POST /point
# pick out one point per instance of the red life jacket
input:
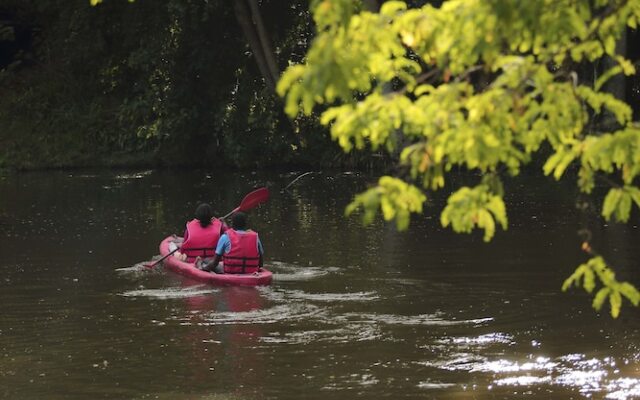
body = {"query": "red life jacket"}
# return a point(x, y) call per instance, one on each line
point(201, 241)
point(243, 257)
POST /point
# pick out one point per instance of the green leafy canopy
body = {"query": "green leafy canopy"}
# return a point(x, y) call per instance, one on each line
point(479, 85)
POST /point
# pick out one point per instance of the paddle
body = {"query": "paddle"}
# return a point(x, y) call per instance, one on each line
point(250, 201)
point(161, 260)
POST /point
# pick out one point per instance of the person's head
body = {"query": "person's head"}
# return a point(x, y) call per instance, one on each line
point(204, 214)
point(239, 220)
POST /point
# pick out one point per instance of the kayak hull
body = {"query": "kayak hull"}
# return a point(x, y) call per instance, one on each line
point(262, 278)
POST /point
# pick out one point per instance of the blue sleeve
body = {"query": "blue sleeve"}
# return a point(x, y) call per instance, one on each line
point(260, 248)
point(223, 245)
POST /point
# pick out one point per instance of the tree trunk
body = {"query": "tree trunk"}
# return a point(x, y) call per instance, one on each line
point(267, 50)
point(249, 30)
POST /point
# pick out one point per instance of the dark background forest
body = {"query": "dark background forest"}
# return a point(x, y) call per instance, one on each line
point(171, 83)
point(152, 83)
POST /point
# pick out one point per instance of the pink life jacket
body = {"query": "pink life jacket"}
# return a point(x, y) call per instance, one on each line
point(201, 241)
point(243, 256)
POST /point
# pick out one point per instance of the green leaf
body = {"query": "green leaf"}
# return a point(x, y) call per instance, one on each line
point(552, 162)
point(610, 45)
point(616, 303)
point(626, 65)
point(589, 282)
point(499, 210)
point(634, 192)
point(602, 79)
point(574, 279)
point(395, 198)
point(474, 207)
point(623, 210)
point(600, 297)
point(390, 8)
point(611, 203)
point(630, 292)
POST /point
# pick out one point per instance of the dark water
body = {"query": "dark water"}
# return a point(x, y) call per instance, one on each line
point(352, 312)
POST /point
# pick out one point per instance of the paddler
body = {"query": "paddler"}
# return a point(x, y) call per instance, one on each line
point(201, 235)
point(239, 249)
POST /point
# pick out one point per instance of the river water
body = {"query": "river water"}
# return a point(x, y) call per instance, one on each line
point(352, 312)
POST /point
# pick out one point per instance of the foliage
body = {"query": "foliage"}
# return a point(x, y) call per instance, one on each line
point(612, 288)
point(481, 85)
point(396, 198)
point(160, 83)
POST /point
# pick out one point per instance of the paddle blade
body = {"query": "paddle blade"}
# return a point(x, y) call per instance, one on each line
point(254, 198)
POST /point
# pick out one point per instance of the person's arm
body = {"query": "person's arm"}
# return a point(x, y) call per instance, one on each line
point(261, 252)
point(223, 243)
point(211, 266)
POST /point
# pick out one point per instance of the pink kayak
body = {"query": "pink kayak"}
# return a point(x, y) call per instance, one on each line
point(189, 270)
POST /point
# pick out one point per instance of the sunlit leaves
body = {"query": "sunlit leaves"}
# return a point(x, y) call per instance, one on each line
point(375, 119)
point(476, 85)
point(331, 13)
point(390, 8)
point(469, 208)
point(559, 161)
point(395, 198)
point(618, 151)
point(617, 203)
point(351, 53)
point(598, 100)
point(612, 289)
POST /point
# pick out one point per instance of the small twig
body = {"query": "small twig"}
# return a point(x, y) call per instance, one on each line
point(608, 180)
point(295, 180)
point(420, 79)
point(468, 72)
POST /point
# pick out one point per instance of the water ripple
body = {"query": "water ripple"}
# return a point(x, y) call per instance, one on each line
point(171, 293)
point(422, 319)
point(137, 175)
point(590, 376)
point(623, 388)
point(290, 312)
point(344, 334)
point(479, 341)
point(435, 385)
point(357, 296)
point(138, 269)
point(288, 272)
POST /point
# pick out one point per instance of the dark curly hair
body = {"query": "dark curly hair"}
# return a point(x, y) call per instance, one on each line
point(239, 220)
point(204, 214)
